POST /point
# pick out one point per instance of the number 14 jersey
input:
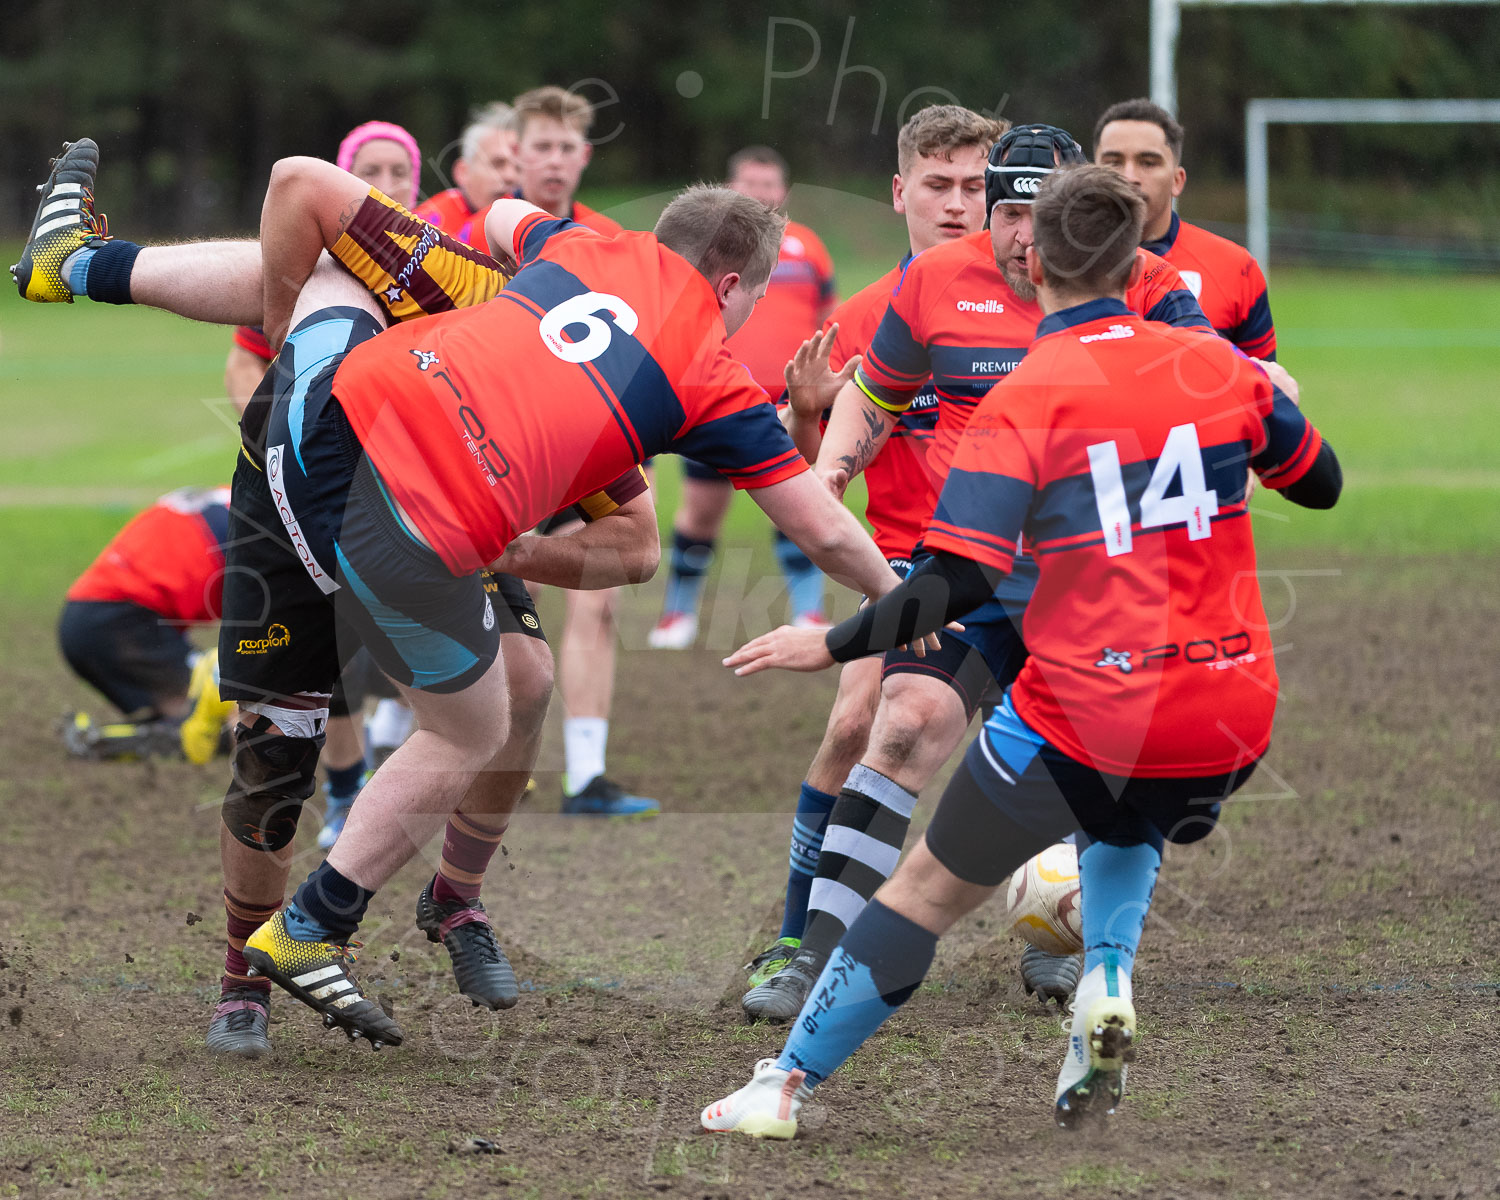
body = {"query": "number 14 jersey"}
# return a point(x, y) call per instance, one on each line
point(599, 353)
point(1120, 448)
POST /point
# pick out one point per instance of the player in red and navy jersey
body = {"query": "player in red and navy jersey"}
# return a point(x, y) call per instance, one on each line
point(962, 315)
point(380, 472)
point(122, 630)
point(1118, 451)
point(484, 170)
point(797, 302)
point(938, 188)
point(1143, 142)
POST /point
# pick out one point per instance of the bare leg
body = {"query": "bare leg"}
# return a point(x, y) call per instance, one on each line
point(849, 723)
point(586, 661)
point(704, 503)
point(216, 282)
point(309, 203)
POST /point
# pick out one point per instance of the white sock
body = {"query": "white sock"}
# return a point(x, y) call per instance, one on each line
point(584, 739)
point(390, 724)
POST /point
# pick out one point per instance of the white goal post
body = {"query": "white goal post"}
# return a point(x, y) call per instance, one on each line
point(1166, 25)
point(1261, 113)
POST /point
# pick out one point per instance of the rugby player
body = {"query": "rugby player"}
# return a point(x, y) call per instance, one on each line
point(122, 631)
point(386, 157)
point(938, 187)
point(362, 519)
point(962, 316)
point(484, 170)
point(1117, 449)
point(798, 301)
point(1143, 142)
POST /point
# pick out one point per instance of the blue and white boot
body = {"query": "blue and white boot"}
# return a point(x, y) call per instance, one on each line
point(1100, 1043)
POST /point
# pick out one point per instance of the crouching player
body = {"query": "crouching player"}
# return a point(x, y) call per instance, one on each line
point(1118, 450)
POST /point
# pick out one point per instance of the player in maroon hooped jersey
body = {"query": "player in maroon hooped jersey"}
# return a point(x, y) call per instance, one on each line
point(1118, 451)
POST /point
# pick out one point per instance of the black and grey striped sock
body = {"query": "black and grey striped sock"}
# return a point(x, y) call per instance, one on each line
point(861, 847)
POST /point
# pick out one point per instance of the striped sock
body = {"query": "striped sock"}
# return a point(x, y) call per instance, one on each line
point(241, 920)
point(861, 847)
point(813, 809)
point(469, 843)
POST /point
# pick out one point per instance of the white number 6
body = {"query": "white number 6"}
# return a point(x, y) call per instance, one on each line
point(583, 310)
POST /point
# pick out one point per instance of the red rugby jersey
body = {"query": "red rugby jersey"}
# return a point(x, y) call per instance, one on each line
point(600, 353)
point(1227, 281)
point(451, 213)
point(1119, 449)
point(795, 304)
point(897, 482)
point(168, 559)
point(954, 320)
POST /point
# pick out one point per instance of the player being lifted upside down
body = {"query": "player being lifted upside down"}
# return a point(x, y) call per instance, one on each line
point(374, 485)
point(1118, 451)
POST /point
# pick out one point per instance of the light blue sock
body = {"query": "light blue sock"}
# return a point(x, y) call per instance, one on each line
point(1116, 883)
point(76, 269)
point(804, 582)
point(872, 973)
point(303, 928)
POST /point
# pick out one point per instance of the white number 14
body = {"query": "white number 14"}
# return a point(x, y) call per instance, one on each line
point(1195, 507)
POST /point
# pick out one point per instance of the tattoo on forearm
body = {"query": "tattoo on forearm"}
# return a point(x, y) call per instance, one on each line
point(867, 447)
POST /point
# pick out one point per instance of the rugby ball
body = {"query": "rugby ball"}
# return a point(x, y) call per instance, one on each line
point(1041, 902)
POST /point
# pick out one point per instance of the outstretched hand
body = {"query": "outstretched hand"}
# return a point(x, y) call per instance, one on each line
point(787, 648)
point(811, 386)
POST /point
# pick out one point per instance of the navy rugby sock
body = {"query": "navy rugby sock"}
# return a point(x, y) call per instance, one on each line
point(328, 907)
point(691, 558)
point(813, 809)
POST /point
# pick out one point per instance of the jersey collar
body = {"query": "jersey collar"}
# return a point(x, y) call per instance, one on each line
point(1082, 314)
point(1167, 240)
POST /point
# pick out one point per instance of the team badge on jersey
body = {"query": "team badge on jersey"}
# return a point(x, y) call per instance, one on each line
point(425, 359)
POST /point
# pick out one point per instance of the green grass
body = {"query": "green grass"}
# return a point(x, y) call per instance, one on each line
point(106, 408)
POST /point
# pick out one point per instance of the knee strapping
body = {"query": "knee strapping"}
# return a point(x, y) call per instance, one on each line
point(273, 775)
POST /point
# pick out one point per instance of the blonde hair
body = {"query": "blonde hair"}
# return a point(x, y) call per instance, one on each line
point(558, 103)
point(720, 231)
point(940, 129)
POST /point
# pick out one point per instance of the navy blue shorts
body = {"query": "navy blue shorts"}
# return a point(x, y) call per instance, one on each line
point(319, 563)
point(987, 655)
point(1015, 794)
point(702, 472)
point(136, 659)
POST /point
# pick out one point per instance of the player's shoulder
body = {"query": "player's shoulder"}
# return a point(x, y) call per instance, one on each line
point(942, 266)
point(596, 220)
point(873, 296)
point(1200, 242)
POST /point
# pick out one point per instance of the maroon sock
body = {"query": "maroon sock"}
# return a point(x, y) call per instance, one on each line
point(241, 920)
point(468, 845)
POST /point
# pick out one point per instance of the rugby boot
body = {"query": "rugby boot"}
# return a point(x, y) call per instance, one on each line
point(119, 741)
point(483, 972)
point(202, 731)
point(770, 960)
point(1100, 1042)
point(782, 996)
point(1050, 976)
point(317, 973)
point(675, 631)
point(65, 221)
point(239, 1023)
point(766, 1107)
point(605, 798)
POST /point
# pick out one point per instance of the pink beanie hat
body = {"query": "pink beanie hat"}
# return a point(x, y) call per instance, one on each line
point(369, 132)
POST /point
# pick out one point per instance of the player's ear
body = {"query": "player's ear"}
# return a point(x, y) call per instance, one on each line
point(1179, 180)
point(727, 283)
point(588, 151)
point(898, 201)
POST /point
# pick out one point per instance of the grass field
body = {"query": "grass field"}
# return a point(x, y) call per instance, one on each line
point(1319, 986)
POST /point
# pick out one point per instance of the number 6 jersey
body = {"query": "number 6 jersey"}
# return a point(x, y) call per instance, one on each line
point(1120, 448)
point(599, 353)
